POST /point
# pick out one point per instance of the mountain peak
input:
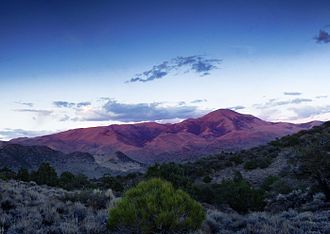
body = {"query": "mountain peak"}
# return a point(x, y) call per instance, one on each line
point(222, 113)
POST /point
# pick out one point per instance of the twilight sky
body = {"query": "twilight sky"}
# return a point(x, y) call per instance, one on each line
point(66, 64)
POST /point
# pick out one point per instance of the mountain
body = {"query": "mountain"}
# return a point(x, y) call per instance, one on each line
point(16, 156)
point(154, 142)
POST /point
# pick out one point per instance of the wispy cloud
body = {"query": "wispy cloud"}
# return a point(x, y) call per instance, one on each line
point(116, 111)
point(82, 104)
point(37, 111)
point(275, 102)
point(321, 96)
point(28, 104)
point(65, 104)
point(196, 63)
point(199, 101)
point(236, 108)
point(8, 133)
point(310, 111)
point(322, 37)
point(292, 93)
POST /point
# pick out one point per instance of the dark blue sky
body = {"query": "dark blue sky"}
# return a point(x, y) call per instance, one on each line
point(41, 37)
point(113, 61)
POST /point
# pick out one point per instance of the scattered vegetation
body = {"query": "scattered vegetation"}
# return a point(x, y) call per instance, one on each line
point(28, 208)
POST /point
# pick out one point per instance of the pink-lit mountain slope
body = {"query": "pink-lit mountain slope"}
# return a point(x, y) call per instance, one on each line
point(150, 142)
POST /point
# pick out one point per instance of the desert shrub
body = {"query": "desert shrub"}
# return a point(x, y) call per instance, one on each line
point(23, 175)
point(260, 222)
point(204, 193)
point(280, 186)
point(262, 163)
point(96, 199)
point(237, 159)
point(109, 181)
point(45, 175)
point(292, 200)
point(29, 208)
point(207, 179)
point(287, 141)
point(239, 195)
point(314, 163)
point(7, 174)
point(268, 182)
point(154, 206)
point(7, 204)
point(171, 172)
point(67, 180)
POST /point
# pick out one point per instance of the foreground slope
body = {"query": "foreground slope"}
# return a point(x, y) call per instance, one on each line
point(150, 142)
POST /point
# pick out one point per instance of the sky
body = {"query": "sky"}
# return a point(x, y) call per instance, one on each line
point(68, 64)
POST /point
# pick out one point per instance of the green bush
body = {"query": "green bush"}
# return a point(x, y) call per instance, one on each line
point(251, 165)
point(207, 179)
point(7, 174)
point(236, 159)
point(268, 182)
point(154, 206)
point(109, 181)
point(257, 163)
point(45, 174)
point(23, 174)
point(281, 186)
point(66, 180)
point(174, 173)
point(239, 195)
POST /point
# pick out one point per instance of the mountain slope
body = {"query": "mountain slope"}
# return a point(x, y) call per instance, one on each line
point(16, 156)
point(149, 142)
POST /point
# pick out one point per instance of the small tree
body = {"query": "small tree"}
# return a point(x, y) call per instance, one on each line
point(23, 174)
point(315, 164)
point(154, 206)
point(45, 175)
point(67, 180)
point(7, 174)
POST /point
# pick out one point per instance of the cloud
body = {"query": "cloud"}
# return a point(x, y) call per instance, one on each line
point(300, 100)
point(310, 111)
point(116, 111)
point(82, 104)
point(196, 63)
point(321, 96)
point(236, 107)
point(198, 101)
point(274, 102)
point(64, 104)
point(28, 104)
point(323, 37)
point(37, 111)
point(292, 93)
point(8, 133)
point(64, 118)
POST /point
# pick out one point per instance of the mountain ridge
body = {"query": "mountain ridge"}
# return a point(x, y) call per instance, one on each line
point(150, 142)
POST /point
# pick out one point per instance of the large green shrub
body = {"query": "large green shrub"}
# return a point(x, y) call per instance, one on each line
point(155, 206)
